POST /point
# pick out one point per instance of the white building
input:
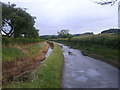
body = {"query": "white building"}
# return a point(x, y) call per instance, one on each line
point(119, 14)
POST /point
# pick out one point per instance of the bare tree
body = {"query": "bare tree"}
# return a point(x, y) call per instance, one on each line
point(104, 2)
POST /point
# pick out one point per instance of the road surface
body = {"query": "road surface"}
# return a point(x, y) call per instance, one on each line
point(85, 72)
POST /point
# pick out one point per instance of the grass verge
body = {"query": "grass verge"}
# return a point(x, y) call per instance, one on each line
point(16, 52)
point(48, 75)
point(11, 54)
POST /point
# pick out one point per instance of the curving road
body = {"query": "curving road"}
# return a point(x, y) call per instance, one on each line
point(86, 72)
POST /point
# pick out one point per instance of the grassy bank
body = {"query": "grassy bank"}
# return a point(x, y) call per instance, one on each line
point(48, 75)
point(11, 54)
point(16, 52)
point(16, 48)
point(19, 58)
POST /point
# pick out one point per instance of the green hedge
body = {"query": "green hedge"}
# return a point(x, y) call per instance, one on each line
point(109, 40)
point(12, 40)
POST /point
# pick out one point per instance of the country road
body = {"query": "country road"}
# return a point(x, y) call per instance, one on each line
point(85, 72)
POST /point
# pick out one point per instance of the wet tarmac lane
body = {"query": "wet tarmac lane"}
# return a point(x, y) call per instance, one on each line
point(85, 72)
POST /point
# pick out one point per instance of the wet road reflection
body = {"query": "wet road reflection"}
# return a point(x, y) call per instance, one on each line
point(85, 72)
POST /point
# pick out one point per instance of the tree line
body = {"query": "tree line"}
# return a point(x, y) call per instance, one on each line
point(66, 34)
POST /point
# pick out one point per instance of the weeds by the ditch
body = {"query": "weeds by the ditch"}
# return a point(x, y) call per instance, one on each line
point(47, 75)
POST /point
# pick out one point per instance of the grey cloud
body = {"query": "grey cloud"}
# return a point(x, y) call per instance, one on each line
point(76, 15)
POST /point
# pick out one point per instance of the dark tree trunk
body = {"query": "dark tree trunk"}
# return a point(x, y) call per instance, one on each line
point(10, 33)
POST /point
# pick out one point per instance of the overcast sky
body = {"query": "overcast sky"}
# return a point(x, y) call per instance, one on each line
point(78, 16)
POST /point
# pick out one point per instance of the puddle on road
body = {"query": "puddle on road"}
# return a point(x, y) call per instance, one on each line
point(92, 73)
point(81, 78)
point(70, 53)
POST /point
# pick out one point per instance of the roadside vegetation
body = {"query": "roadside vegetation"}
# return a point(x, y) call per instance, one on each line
point(47, 75)
point(10, 41)
point(23, 51)
point(17, 48)
point(11, 54)
point(19, 58)
point(104, 45)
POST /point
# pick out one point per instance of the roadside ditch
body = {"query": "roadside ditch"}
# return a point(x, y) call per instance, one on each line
point(23, 69)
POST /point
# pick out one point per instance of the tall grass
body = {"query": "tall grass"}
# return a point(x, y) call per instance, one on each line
point(33, 50)
point(109, 40)
point(14, 53)
point(11, 54)
point(12, 41)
